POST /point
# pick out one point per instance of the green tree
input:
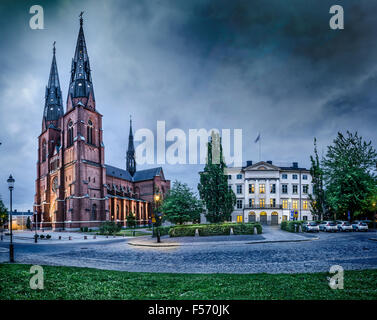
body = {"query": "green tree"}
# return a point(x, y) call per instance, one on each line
point(317, 198)
point(3, 214)
point(181, 205)
point(349, 172)
point(213, 187)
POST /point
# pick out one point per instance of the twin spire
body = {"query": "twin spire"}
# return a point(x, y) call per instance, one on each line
point(80, 85)
point(130, 159)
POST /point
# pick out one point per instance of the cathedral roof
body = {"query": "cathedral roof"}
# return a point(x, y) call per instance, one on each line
point(80, 85)
point(53, 98)
point(142, 175)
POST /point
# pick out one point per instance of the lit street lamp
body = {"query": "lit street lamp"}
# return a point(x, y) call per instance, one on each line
point(157, 217)
point(375, 215)
point(11, 249)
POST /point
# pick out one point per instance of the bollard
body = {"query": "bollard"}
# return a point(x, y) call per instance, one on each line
point(196, 232)
point(60, 237)
point(231, 231)
point(69, 238)
point(94, 237)
point(255, 230)
point(85, 237)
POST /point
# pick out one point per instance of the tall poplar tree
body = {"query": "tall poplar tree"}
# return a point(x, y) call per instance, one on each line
point(213, 187)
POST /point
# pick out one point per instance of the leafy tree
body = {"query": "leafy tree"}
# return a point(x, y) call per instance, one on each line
point(317, 199)
point(349, 168)
point(181, 205)
point(131, 220)
point(213, 186)
point(3, 214)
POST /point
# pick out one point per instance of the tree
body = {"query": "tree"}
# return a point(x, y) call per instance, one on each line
point(131, 221)
point(181, 205)
point(317, 198)
point(213, 188)
point(28, 223)
point(349, 172)
point(3, 214)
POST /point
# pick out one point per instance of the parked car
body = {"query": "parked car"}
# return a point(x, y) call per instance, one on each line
point(359, 226)
point(344, 226)
point(311, 226)
point(328, 226)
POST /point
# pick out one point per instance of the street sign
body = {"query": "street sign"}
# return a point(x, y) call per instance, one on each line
point(153, 220)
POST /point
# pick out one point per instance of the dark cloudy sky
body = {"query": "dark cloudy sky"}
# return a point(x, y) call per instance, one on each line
point(268, 66)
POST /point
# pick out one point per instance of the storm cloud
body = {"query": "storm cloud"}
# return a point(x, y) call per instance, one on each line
point(273, 67)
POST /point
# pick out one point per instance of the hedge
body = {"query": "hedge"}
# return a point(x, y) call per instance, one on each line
point(215, 229)
point(163, 231)
point(290, 225)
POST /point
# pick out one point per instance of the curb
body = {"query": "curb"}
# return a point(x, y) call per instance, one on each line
point(280, 241)
point(154, 245)
point(373, 239)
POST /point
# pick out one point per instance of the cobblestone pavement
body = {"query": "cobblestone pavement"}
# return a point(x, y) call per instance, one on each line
point(350, 250)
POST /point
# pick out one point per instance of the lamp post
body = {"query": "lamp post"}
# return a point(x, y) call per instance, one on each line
point(11, 249)
point(375, 215)
point(157, 219)
point(36, 223)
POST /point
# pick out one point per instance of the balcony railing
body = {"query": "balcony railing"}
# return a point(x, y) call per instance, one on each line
point(266, 206)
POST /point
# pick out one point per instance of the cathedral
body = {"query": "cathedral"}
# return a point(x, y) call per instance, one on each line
point(74, 186)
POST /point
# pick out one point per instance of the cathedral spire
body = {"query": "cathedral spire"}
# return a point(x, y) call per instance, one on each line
point(131, 163)
point(80, 85)
point(53, 109)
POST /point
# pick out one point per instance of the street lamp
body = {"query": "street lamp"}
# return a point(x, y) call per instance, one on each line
point(157, 219)
point(375, 215)
point(36, 224)
point(11, 249)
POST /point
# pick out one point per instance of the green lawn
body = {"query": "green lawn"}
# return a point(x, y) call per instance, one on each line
point(84, 283)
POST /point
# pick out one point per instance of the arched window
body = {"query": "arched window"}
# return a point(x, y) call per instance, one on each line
point(44, 150)
point(94, 211)
point(89, 132)
point(118, 212)
point(70, 134)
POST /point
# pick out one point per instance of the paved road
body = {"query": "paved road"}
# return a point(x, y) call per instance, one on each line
point(350, 250)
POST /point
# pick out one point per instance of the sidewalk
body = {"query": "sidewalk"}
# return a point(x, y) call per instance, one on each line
point(65, 237)
point(269, 235)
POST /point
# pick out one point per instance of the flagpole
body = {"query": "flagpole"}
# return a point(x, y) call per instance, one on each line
point(260, 152)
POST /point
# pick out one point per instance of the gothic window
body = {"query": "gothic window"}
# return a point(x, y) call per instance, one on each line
point(44, 150)
point(55, 185)
point(94, 211)
point(70, 134)
point(89, 132)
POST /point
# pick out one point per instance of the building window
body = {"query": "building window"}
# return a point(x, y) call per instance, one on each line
point(262, 203)
point(273, 202)
point(305, 188)
point(44, 150)
point(305, 177)
point(251, 188)
point(239, 204)
point(89, 132)
point(251, 203)
point(305, 218)
point(229, 177)
point(284, 176)
point(94, 211)
point(285, 204)
point(229, 187)
point(239, 188)
point(70, 134)
point(284, 188)
point(239, 218)
point(294, 189)
point(262, 188)
point(239, 176)
point(294, 204)
point(273, 188)
point(305, 205)
point(294, 176)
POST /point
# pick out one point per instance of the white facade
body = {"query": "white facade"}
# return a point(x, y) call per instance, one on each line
point(269, 194)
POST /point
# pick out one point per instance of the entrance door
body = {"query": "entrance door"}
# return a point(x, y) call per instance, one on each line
point(251, 217)
point(263, 218)
point(274, 219)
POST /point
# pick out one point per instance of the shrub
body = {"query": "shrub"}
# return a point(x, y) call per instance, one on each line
point(48, 237)
point(215, 229)
point(109, 227)
point(290, 225)
point(85, 229)
point(42, 236)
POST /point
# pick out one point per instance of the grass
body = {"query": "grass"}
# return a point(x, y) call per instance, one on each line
point(84, 283)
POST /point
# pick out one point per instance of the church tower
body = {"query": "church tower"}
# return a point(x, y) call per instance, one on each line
point(131, 163)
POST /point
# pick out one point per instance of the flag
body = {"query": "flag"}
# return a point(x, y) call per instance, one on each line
point(257, 139)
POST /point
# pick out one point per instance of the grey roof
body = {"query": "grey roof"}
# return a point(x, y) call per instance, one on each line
point(53, 98)
point(81, 79)
point(141, 175)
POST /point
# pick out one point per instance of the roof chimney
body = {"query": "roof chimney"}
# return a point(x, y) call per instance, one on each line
point(249, 163)
point(295, 165)
point(269, 161)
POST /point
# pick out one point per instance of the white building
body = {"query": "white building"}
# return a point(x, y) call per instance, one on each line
point(270, 194)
